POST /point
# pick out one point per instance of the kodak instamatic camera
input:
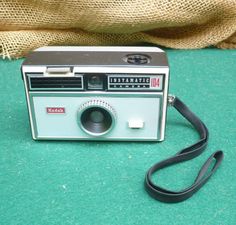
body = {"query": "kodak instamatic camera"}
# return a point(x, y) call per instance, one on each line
point(97, 93)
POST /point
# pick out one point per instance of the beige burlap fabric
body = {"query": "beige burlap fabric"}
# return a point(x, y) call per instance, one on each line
point(28, 24)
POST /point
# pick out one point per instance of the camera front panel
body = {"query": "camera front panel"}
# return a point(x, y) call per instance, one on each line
point(101, 117)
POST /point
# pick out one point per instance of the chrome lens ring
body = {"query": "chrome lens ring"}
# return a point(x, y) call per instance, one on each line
point(96, 117)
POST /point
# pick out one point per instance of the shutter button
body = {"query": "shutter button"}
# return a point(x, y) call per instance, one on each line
point(136, 124)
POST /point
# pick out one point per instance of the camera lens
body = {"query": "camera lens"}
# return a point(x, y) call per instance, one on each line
point(96, 116)
point(95, 82)
point(96, 120)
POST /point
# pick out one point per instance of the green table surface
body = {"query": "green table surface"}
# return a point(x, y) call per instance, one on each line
point(72, 182)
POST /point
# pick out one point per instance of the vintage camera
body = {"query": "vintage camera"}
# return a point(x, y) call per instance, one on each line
point(97, 93)
point(110, 93)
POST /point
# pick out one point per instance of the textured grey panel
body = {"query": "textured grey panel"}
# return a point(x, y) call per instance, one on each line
point(73, 58)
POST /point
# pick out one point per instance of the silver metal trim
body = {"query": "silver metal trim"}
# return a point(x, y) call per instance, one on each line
point(100, 104)
point(164, 106)
point(100, 48)
point(34, 119)
point(96, 94)
point(121, 69)
point(32, 127)
point(97, 139)
point(103, 69)
point(159, 130)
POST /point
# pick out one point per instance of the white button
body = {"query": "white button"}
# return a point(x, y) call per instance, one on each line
point(136, 124)
point(58, 70)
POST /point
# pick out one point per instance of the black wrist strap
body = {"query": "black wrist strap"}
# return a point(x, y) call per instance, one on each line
point(188, 153)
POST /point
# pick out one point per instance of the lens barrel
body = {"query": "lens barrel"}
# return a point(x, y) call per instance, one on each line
point(96, 117)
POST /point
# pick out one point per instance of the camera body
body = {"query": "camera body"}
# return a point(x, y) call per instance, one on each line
point(97, 93)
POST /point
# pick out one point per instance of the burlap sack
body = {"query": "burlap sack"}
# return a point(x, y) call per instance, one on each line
point(28, 24)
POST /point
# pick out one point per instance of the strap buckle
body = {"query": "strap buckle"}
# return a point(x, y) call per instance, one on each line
point(171, 100)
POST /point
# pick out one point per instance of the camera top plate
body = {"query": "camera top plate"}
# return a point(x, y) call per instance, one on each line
point(97, 56)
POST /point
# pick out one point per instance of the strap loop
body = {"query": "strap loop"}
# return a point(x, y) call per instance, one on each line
point(188, 153)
